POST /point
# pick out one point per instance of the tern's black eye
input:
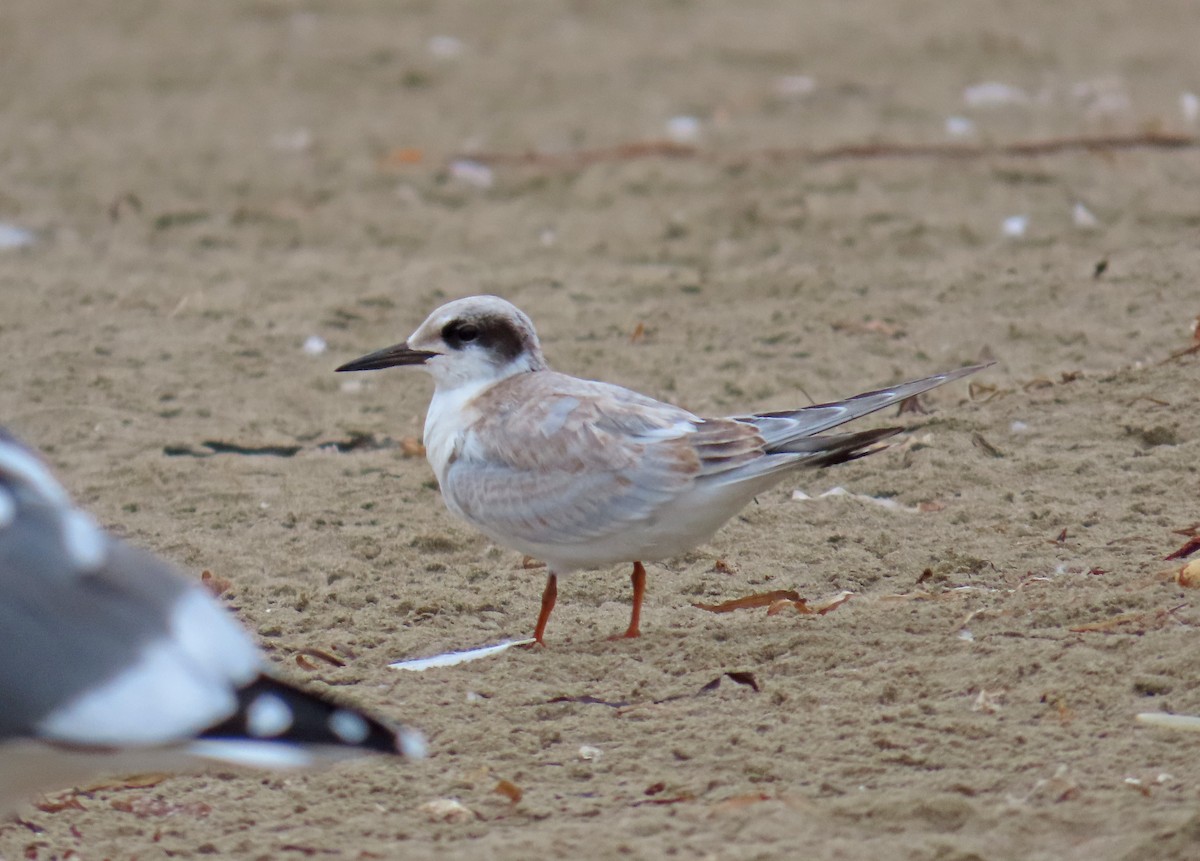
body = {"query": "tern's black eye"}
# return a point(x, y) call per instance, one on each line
point(456, 333)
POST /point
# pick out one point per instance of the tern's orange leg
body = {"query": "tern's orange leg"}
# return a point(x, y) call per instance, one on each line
point(549, 596)
point(638, 578)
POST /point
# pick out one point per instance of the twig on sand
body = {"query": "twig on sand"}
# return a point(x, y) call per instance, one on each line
point(575, 159)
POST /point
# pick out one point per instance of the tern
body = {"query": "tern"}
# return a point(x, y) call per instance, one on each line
point(583, 474)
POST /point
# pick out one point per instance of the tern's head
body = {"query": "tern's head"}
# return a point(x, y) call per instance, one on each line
point(467, 340)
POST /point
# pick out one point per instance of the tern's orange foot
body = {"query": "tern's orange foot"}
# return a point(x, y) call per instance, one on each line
point(628, 635)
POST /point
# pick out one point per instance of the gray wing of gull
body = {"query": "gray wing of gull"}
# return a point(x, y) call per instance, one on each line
point(780, 428)
point(66, 633)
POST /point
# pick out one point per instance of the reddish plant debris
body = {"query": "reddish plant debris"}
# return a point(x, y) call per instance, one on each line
point(979, 442)
point(1189, 547)
point(912, 405)
point(321, 655)
point(1158, 402)
point(674, 799)
point(818, 608)
point(132, 781)
point(217, 586)
point(1131, 623)
point(1187, 351)
point(57, 805)
point(983, 391)
point(509, 790)
point(1062, 711)
point(403, 156)
point(760, 599)
point(410, 446)
point(1179, 354)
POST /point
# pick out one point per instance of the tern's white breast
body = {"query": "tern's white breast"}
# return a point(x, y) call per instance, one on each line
point(449, 416)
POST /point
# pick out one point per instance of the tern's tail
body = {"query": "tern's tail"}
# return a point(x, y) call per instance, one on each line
point(782, 428)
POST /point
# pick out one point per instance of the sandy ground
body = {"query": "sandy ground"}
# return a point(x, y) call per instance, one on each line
point(211, 184)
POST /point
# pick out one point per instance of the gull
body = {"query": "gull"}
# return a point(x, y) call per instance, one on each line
point(583, 474)
point(111, 662)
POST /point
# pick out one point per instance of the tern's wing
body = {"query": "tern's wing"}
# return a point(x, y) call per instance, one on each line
point(552, 459)
point(781, 428)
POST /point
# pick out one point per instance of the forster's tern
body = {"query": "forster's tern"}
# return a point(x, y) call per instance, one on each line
point(584, 474)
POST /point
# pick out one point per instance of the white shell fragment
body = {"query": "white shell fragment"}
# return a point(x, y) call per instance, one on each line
point(1165, 720)
point(1189, 106)
point(445, 47)
point(795, 86)
point(1102, 97)
point(993, 94)
point(450, 659)
point(472, 173)
point(1083, 218)
point(1014, 226)
point(12, 236)
point(684, 129)
point(449, 810)
point(959, 127)
point(881, 501)
point(590, 753)
point(294, 141)
point(314, 345)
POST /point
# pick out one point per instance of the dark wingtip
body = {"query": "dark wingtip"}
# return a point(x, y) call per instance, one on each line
point(852, 446)
point(303, 718)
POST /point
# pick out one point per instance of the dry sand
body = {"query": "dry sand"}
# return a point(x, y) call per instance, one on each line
point(211, 184)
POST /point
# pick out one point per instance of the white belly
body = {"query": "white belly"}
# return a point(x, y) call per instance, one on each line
point(676, 528)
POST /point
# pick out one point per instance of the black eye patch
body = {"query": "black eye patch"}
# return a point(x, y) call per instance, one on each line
point(458, 333)
point(496, 335)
